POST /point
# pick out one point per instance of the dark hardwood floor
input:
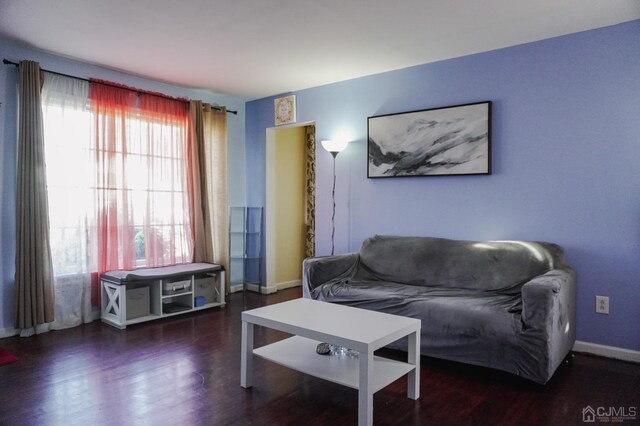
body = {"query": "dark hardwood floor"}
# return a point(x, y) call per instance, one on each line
point(185, 370)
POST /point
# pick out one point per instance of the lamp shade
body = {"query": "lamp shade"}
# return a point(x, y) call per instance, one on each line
point(334, 145)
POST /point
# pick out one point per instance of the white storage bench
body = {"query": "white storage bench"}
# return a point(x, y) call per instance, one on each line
point(130, 297)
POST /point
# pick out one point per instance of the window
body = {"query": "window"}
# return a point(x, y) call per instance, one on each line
point(117, 177)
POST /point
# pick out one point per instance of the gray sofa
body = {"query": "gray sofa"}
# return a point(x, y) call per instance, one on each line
point(508, 305)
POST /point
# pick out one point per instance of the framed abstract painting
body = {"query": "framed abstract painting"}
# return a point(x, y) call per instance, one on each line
point(447, 141)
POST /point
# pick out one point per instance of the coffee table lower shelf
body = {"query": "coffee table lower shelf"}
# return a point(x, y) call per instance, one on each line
point(299, 353)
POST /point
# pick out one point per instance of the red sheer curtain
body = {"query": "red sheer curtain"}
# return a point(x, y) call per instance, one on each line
point(168, 232)
point(141, 180)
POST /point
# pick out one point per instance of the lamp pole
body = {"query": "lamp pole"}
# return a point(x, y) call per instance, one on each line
point(334, 154)
point(334, 147)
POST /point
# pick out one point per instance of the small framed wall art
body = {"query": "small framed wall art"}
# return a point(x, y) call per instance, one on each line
point(453, 140)
point(285, 110)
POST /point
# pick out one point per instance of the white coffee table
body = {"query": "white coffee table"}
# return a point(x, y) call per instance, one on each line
point(313, 322)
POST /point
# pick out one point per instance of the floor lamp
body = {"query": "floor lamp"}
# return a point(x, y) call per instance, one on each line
point(334, 147)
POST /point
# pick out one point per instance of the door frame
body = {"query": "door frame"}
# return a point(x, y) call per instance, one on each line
point(270, 242)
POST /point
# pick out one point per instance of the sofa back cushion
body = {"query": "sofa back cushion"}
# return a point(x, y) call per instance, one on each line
point(438, 262)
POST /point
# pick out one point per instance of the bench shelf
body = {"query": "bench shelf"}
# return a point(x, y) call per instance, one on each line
point(132, 297)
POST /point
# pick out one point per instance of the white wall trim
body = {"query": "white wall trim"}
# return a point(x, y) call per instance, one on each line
point(261, 289)
point(607, 351)
point(235, 288)
point(289, 284)
point(238, 288)
point(300, 124)
point(8, 332)
point(270, 208)
point(270, 289)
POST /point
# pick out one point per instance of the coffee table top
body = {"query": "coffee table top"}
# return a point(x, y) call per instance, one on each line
point(358, 329)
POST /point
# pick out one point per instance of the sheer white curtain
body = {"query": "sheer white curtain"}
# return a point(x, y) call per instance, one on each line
point(70, 166)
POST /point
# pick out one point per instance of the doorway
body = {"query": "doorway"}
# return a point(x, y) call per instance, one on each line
point(290, 204)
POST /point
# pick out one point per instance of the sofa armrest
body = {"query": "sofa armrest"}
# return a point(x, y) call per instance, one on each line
point(549, 319)
point(319, 270)
point(546, 294)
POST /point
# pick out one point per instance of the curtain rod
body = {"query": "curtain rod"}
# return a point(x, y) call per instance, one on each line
point(8, 62)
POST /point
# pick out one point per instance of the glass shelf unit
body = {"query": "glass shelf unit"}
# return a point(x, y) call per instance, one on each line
point(245, 245)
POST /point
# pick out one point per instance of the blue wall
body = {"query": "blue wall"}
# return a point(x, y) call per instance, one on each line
point(8, 138)
point(566, 161)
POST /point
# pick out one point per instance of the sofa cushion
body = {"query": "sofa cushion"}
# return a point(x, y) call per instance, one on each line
point(460, 324)
point(438, 262)
point(391, 294)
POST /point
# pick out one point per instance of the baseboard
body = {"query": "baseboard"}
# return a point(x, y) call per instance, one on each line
point(239, 288)
point(267, 289)
point(236, 288)
point(289, 284)
point(8, 332)
point(607, 351)
point(281, 286)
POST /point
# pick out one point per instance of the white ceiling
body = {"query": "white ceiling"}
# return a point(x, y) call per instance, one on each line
point(257, 48)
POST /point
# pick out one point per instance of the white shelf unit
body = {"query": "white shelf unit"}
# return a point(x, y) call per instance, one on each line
point(206, 288)
point(298, 353)
point(245, 245)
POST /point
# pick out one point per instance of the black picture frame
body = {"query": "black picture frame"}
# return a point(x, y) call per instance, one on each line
point(446, 141)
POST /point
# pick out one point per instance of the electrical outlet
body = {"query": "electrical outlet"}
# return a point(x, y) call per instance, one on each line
point(602, 305)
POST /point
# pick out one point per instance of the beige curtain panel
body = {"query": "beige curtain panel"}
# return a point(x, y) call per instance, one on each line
point(215, 136)
point(34, 294)
point(208, 186)
point(203, 249)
